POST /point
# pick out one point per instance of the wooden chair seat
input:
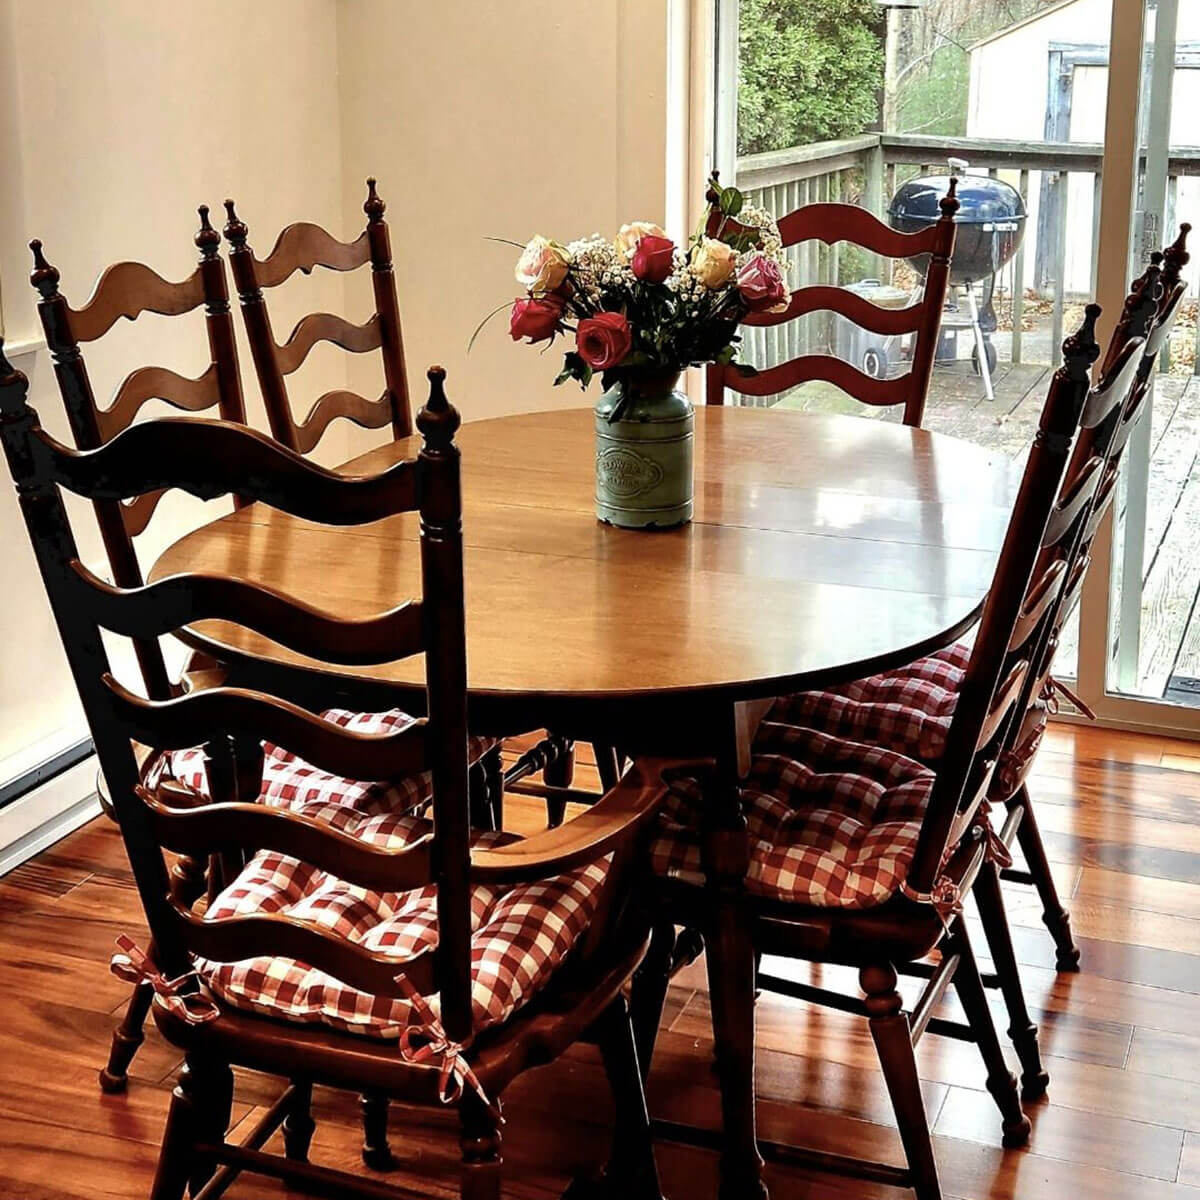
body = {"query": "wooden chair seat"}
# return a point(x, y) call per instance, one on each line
point(288, 781)
point(521, 933)
point(536, 1034)
point(832, 823)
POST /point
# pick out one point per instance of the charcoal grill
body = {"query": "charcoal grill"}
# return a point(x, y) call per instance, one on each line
point(991, 223)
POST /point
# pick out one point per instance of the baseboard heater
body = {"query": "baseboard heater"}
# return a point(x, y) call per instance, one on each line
point(43, 772)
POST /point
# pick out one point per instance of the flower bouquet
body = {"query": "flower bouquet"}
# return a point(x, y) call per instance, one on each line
point(641, 309)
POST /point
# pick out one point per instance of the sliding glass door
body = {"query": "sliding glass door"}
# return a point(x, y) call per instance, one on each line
point(1078, 110)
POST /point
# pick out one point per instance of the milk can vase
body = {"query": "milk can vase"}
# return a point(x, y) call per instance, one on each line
point(644, 457)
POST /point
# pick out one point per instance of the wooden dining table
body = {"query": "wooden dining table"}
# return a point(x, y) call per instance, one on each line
point(823, 548)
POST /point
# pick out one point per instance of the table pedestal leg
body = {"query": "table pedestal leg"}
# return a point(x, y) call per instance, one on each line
point(731, 983)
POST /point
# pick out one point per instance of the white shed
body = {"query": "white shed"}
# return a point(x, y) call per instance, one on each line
point(1045, 78)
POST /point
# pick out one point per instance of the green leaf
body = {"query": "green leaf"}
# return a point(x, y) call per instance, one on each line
point(732, 201)
point(744, 369)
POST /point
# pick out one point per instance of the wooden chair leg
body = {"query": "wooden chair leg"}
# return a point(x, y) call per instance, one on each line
point(376, 1153)
point(126, 1039)
point(493, 767)
point(1001, 1082)
point(212, 1093)
point(1054, 915)
point(1021, 1030)
point(480, 1142)
point(561, 770)
point(649, 992)
point(607, 765)
point(631, 1171)
point(298, 1125)
point(178, 1148)
point(893, 1043)
point(189, 879)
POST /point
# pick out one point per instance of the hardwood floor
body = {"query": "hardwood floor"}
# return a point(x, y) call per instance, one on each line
point(1122, 818)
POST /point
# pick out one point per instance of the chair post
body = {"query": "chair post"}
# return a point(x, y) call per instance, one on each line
point(714, 384)
point(218, 320)
point(80, 404)
point(383, 281)
point(55, 550)
point(937, 280)
point(258, 330)
point(446, 687)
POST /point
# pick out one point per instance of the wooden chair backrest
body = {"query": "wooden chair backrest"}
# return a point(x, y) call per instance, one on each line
point(1001, 657)
point(832, 223)
point(1113, 407)
point(207, 457)
point(127, 290)
point(301, 247)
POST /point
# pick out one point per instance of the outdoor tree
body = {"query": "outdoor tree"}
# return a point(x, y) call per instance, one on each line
point(810, 70)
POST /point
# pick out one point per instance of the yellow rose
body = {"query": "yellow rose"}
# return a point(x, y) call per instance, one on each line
point(542, 266)
point(713, 262)
point(629, 235)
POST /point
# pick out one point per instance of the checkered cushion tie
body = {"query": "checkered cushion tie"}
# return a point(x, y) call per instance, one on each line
point(832, 823)
point(907, 710)
point(289, 782)
point(521, 933)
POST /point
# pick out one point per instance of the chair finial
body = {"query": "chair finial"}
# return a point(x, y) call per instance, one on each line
point(949, 202)
point(44, 277)
point(236, 230)
point(207, 239)
point(1176, 257)
point(438, 420)
point(374, 207)
point(1080, 349)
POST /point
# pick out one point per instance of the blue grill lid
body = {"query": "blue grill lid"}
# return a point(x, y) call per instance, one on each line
point(981, 199)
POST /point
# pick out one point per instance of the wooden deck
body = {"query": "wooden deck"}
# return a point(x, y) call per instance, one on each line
point(1121, 818)
point(1169, 656)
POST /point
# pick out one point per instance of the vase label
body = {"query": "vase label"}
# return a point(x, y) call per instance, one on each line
point(626, 473)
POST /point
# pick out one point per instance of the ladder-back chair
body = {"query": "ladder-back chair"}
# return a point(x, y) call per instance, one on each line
point(831, 223)
point(861, 856)
point(238, 985)
point(304, 246)
point(127, 290)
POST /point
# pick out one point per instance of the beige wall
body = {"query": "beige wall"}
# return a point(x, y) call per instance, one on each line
point(498, 118)
point(120, 116)
point(480, 117)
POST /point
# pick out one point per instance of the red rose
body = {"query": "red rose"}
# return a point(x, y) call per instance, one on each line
point(653, 258)
point(536, 317)
point(603, 340)
point(760, 282)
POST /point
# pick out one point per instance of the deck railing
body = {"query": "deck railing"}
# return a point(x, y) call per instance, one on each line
point(867, 169)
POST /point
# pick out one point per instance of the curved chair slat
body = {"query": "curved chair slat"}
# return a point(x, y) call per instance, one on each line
point(210, 458)
point(158, 383)
point(128, 289)
point(832, 223)
point(171, 604)
point(303, 246)
point(370, 414)
point(822, 298)
point(809, 367)
point(197, 718)
point(327, 327)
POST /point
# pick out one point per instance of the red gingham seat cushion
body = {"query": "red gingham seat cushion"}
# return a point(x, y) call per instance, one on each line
point(907, 710)
point(289, 782)
point(832, 823)
point(521, 933)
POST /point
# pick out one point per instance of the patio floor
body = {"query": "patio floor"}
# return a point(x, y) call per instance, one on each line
point(1169, 656)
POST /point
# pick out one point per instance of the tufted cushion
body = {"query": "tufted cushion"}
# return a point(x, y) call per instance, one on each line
point(907, 710)
point(289, 782)
point(521, 933)
point(833, 823)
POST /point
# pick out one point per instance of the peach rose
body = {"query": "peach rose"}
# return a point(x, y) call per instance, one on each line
point(542, 266)
point(629, 235)
point(713, 262)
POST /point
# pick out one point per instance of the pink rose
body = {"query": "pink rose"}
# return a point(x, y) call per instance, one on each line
point(536, 317)
point(760, 282)
point(603, 340)
point(653, 260)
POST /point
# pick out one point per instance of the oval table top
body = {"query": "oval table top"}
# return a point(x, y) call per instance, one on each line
point(823, 548)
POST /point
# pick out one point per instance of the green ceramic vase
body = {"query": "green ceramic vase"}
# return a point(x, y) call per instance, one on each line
point(644, 458)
